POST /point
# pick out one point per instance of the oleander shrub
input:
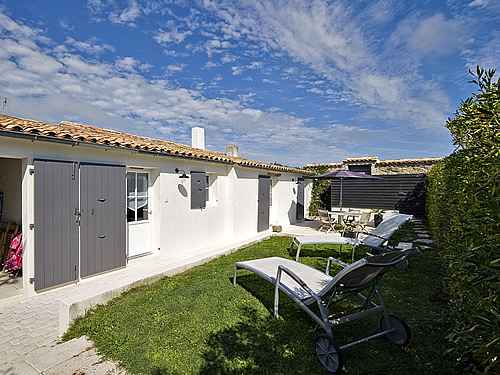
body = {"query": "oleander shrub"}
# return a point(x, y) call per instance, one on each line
point(463, 212)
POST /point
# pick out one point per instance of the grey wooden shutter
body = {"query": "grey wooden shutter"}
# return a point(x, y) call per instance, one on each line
point(56, 223)
point(103, 222)
point(198, 190)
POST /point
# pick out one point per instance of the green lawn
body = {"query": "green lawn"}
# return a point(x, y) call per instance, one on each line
point(197, 322)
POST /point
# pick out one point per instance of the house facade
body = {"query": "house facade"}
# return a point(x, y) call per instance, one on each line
point(89, 199)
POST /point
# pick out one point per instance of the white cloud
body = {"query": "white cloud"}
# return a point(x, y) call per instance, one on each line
point(479, 3)
point(115, 11)
point(435, 35)
point(127, 63)
point(65, 25)
point(175, 68)
point(171, 34)
point(90, 46)
point(127, 15)
point(118, 96)
point(487, 55)
point(329, 38)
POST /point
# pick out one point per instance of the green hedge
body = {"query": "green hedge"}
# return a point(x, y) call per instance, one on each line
point(463, 212)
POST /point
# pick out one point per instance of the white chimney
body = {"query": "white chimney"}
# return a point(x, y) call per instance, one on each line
point(232, 150)
point(198, 137)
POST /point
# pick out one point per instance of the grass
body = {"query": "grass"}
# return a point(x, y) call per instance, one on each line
point(197, 322)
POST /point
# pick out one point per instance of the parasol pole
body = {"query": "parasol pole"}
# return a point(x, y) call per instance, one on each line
point(340, 203)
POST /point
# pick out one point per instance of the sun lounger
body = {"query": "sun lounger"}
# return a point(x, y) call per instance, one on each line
point(308, 286)
point(374, 239)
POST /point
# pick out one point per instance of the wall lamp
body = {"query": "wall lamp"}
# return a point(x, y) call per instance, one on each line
point(183, 175)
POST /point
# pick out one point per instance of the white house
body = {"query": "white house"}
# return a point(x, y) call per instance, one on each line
point(88, 199)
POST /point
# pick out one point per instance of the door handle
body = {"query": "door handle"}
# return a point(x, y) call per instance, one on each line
point(101, 236)
point(102, 200)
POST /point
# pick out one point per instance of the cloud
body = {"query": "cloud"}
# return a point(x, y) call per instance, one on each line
point(487, 55)
point(114, 11)
point(53, 84)
point(91, 46)
point(479, 3)
point(171, 35)
point(432, 36)
point(329, 39)
point(175, 68)
point(127, 15)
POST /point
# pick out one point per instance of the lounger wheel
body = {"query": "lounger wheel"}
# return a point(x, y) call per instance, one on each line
point(328, 353)
point(401, 334)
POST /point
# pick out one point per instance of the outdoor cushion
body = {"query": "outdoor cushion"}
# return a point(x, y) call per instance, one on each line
point(324, 239)
point(267, 268)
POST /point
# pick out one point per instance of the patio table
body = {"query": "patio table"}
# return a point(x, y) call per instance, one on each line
point(350, 217)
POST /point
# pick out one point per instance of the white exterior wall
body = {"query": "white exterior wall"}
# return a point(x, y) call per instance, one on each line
point(175, 229)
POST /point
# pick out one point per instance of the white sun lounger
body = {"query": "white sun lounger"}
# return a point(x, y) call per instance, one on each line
point(374, 239)
point(307, 286)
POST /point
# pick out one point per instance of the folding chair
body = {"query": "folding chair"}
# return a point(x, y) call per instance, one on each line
point(307, 286)
point(326, 221)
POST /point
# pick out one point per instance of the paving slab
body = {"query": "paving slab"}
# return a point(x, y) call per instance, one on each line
point(17, 368)
point(424, 241)
point(55, 353)
point(86, 363)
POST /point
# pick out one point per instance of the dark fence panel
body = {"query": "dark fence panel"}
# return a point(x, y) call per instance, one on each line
point(404, 192)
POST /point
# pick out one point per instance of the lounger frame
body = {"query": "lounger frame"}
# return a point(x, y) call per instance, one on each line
point(372, 303)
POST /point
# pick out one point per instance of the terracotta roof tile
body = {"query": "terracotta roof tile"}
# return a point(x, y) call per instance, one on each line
point(76, 132)
point(417, 161)
point(361, 159)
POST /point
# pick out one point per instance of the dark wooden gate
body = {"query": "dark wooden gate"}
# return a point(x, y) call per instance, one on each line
point(263, 199)
point(404, 192)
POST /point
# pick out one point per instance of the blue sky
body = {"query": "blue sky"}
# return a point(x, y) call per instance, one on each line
point(288, 81)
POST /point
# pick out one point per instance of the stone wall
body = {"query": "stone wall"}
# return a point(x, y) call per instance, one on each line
point(394, 169)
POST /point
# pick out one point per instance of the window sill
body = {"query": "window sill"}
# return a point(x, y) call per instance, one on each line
point(138, 222)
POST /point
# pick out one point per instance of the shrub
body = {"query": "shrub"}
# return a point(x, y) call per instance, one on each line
point(463, 212)
point(320, 194)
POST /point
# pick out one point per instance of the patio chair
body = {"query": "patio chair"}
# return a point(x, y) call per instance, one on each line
point(375, 239)
point(326, 221)
point(363, 224)
point(308, 286)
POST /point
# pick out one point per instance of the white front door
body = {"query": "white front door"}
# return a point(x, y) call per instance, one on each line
point(138, 211)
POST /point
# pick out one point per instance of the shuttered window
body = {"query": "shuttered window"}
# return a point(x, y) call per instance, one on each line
point(198, 190)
